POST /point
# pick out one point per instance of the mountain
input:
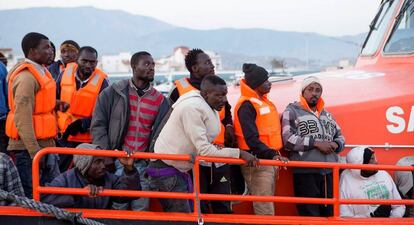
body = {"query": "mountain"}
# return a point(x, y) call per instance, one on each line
point(113, 31)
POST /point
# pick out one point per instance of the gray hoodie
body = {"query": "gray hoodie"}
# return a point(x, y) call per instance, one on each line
point(300, 130)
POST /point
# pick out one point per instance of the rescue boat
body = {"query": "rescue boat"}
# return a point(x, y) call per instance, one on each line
point(372, 102)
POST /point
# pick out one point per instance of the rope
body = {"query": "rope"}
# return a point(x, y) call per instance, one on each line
point(60, 214)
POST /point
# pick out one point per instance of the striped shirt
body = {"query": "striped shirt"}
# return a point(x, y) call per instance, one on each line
point(143, 110)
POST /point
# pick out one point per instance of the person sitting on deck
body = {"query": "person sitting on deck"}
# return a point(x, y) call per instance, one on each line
point(404, 182)
point(90, 173)
point(9, 178)
point(367, 184)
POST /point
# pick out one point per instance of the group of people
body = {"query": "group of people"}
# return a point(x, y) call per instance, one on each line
point(70, 103)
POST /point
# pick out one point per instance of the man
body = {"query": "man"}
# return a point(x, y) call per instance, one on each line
point(368, 184)
point(310, 133)
point(404, 182)
point(4, 109)
point(257, 127)
point(79, 86)
point(127, 113)
point(9, 178)
point(214, 177)
point(32, 91)
point(190, 129)
point(90, 173)
point(68, 52)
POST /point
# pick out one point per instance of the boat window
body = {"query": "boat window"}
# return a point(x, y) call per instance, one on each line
point(378, 27)
point(401, 40)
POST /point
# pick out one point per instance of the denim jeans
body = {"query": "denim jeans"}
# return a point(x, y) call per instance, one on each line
point(174, 183)
point(141, 204)
point(24, 166)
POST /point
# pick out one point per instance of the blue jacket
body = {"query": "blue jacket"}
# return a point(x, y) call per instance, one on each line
point(74, 179)
point(4, 108)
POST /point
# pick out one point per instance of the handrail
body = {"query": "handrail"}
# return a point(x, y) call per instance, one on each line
point(335, 201)
point(386, 146)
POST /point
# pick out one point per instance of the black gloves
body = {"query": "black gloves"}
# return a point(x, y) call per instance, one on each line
point(73, 129)
point(382, 211)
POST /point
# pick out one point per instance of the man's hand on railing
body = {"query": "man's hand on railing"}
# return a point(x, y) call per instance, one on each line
point(249, 158)
point(127, 162)
point(93, 190)
point(281, 158)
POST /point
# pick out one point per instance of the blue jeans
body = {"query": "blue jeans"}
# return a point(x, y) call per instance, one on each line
point(24, 167)
point(141, 204)
point(174, 183)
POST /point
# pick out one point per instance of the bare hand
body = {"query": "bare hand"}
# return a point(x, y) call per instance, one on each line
point(281, 158)
point(127, 162)
point(62, 106)
point(93, 190)
point(249, 158)
point(325, 147)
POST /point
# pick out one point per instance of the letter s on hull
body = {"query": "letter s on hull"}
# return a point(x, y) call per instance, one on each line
point(393, 115)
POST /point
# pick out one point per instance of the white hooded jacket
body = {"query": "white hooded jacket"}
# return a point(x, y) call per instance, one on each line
point(191, 128)
point(377, 186)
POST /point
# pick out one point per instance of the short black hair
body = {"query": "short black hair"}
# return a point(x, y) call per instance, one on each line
point(88, 49)
point(31, 40)
point(191, 58)
point(71, 42)
point(135, 58)
point(211, 80)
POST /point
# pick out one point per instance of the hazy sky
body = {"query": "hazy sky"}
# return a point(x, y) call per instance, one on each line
point(330, 17)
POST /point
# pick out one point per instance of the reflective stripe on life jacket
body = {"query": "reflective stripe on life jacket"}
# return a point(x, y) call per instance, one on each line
point(44, 120)
point(82, 101)
point(267, 119)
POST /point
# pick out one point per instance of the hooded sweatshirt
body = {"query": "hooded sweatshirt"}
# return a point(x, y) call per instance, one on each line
point(301, 128)
point(377, 186)
point(191, 128)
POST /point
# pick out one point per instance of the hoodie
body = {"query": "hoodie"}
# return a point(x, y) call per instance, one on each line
point(301, 128)
point(378, 186)
point(190, 129)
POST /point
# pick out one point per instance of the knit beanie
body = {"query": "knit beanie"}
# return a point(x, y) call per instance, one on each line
point(308, 81)
point(367, 155)
point(83, 162)
point(254, 75)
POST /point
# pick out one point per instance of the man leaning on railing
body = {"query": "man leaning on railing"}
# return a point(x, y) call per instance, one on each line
point(90, 173)
point(190, 129)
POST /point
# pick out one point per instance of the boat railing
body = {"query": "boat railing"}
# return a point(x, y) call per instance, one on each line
point(196, 196)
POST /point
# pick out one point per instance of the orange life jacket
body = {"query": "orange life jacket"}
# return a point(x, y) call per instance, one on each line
point(82, 101)
point(184, 86)
point(44, 119)
point(267, 119)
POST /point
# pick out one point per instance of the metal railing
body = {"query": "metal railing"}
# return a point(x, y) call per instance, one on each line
point(336, 201)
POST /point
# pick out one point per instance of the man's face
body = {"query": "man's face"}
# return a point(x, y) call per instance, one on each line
point(144, 69)
point(312, 93)
point(87, 62)
point(264, 88)
point(68, 55)
point(97, 169)
point(51, 58)
point(216, 96)
point(204, 66)
point(42, 53)
point(368, 173)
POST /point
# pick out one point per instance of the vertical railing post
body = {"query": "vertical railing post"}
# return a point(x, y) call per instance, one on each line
point(196, 175)
point(336, 191)
point(35, 174)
